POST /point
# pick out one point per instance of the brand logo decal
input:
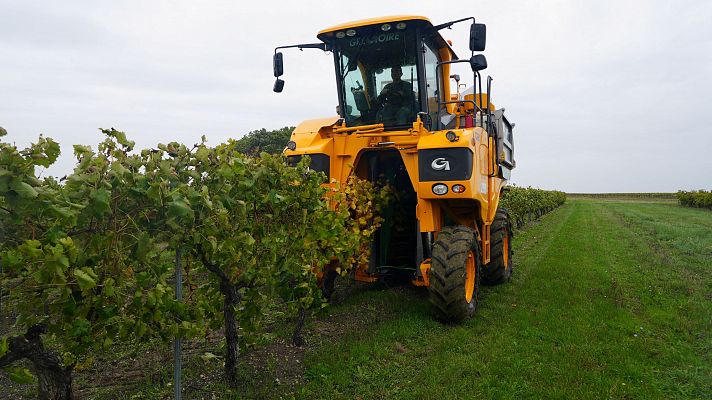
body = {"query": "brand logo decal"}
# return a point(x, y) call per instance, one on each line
point(440, 164)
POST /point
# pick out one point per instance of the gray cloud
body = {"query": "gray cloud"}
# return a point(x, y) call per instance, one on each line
point(607, 95)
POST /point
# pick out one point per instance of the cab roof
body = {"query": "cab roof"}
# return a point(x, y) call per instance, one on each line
point(371, 21)
point(328, 33)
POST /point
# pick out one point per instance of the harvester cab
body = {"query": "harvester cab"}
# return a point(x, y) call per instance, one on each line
point(447, 154)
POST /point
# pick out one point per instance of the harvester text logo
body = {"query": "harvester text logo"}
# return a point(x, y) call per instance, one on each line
point(375, 39)
point(440, 164)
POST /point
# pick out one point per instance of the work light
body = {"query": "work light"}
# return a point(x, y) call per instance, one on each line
point(458, 188)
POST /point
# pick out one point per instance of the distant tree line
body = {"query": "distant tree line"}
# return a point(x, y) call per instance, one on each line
point(262, 140)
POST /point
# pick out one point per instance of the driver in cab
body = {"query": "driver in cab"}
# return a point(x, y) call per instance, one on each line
point(397, 100)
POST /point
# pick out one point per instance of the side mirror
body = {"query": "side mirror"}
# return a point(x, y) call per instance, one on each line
point(278, 85)
point(478, 62)
point(478, 37)
point(278, 65)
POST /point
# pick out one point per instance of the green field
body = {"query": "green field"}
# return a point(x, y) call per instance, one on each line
point(609, 300)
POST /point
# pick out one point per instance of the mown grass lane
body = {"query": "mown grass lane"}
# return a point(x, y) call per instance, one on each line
point(608, 300)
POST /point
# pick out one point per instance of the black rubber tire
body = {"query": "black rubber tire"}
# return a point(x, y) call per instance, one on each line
point(448, 274)
point(497, 270)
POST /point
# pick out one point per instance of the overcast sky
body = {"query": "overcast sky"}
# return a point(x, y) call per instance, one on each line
point(607, 96)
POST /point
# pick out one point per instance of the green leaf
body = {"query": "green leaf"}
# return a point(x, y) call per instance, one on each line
point(62, 212)
point(80, 150)
point(142, 246)
point(80, 327)
point(23, 189)
point(179, 209)
point(84, 280)
point(154, 192)
point(121, 138)
point(202, 154)
point(3, 132)
point(109, 289)
point(51, 151)
point(100, 199)
point(118, 168)
point(20, 375)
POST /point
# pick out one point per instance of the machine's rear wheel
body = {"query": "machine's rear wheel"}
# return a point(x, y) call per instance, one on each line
point(454, 274)
point(499, 269)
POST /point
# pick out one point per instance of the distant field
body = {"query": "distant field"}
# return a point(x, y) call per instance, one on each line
point(609, 300)
point(624, 196)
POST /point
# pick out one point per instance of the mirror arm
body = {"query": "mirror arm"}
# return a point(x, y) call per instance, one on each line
point(452, 62)
point(451, 23)
point(320, 46)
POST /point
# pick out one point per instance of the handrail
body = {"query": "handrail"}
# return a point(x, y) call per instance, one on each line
point(373, 128)
point(379, 134)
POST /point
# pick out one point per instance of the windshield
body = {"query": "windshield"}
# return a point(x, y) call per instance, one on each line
point(379, 78)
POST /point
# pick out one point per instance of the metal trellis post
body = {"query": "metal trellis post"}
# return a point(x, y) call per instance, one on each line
point(177, 343)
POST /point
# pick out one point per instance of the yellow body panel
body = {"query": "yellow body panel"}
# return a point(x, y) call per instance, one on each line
point(475, 207)
point(314, 125)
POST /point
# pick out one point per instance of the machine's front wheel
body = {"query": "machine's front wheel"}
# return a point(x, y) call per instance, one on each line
point(499, 269)
point(454, 274)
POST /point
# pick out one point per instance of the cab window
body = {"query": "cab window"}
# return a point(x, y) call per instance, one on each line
point(431, 80)
point(379, 78)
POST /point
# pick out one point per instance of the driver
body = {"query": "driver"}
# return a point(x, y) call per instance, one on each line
point(397, 99)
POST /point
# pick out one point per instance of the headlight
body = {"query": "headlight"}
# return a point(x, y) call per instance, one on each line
point(439, 189)
point(291, 145)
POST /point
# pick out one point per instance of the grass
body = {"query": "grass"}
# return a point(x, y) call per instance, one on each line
point(610, 299)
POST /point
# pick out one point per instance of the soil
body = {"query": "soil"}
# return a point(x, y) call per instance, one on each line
point(268, 370)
